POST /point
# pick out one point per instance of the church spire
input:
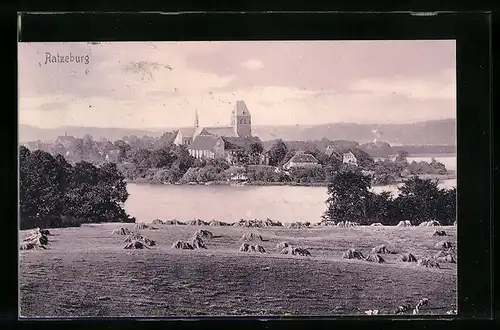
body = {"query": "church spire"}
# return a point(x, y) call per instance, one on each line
point(196, 121)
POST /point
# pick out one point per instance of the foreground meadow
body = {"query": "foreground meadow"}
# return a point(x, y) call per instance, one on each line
point(86, 272)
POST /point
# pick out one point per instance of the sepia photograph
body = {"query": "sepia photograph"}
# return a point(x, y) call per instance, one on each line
point(237, 178)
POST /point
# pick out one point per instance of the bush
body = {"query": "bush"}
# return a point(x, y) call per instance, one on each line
point(349, 199)
point(421, 200)
point(54, 193)
point(313, 174)
point(348, 195)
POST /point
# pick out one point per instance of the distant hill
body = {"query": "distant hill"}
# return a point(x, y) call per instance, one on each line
point(32, 133)
point(377, 149)
point(436, 132)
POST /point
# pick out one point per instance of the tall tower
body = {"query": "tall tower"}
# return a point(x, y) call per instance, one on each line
point(196, 120)
point(241, 120)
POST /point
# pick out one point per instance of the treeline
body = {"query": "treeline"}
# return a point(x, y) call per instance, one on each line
point(54, 193)
point(165, 164)
point(318, 145)
point(157, 159)
point(387, 171)
point(419, 200)
point(426, 149)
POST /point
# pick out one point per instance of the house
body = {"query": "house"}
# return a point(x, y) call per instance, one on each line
point(241, 126)
point(333, 151)
point(330, 150)
point(207, 147)
point(356, 157)
point(65, 140)
point(349, 158)
point(109, 151)
point(235, 147)
point(221, 147)
point(302, 160)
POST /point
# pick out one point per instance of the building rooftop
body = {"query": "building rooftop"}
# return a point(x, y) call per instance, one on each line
point(187, 131)
point(301, 157)
point(204, 142)
point(226, 131)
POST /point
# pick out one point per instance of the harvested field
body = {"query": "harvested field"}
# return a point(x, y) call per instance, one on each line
point(87, 272)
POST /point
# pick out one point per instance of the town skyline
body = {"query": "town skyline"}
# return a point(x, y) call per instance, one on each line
point(155, 85)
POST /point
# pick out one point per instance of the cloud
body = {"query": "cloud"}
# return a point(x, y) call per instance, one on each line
point(116, 71)
point(53, 106)
point(252, 65)
point(440, 86)
point(138, 85)
point(268, 105)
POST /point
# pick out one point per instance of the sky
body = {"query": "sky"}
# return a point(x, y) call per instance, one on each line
point(162, 84)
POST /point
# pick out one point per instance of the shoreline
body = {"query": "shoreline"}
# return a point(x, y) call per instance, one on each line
point(249, 224)
point(449, 176)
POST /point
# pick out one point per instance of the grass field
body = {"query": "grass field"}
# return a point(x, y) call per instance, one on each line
point(87, 272)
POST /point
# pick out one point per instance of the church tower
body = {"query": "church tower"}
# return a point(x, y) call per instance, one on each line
point(196, 120)
point(241, 120)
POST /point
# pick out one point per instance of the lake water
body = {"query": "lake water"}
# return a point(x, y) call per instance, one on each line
point(228, 203)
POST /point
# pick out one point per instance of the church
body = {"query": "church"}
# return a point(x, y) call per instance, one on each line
point(241, 126)
point(219, 141)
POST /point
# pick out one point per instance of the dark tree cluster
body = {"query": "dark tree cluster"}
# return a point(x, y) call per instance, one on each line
point(388, 171)
point(165, 164)
point(207, 170)
point(54, 193)
point(158, 160)
point(350, 199)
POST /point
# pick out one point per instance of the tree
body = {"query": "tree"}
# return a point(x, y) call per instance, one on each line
point(242, 157)
point(96, 194)
point(381, 208)
point(161, 158)
point(183, 160)
point(437, 167)
point(133, 141)
point(141, 157)
point(313, 174)
point(123, 148)
point(419, 200)
point(59, 149)
point(447, 208)
point(333, 161)
point(219, 164)
point(402, 157)
point(40, 194)
point(52, 191)
point(348, 195)
point(277, 153)
point(78, 150)
point(256, 148)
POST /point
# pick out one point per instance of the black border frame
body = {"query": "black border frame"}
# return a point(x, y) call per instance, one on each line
point(474, 108)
